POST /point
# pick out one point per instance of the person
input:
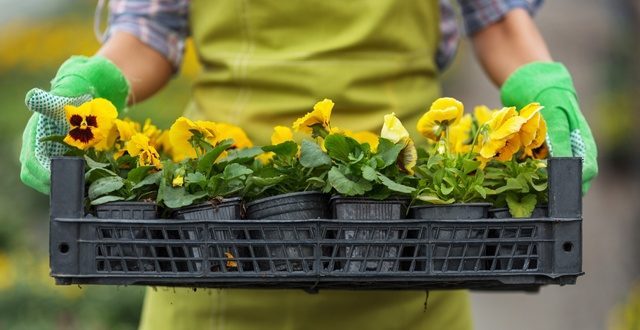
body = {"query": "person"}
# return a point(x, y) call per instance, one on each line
point(267, 63)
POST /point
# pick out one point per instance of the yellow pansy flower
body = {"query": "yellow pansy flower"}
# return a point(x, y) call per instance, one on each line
point(138, 146)
point(532, 116)
point(90, 122)
point(366, 137)
point(281, 134)
point(502, 132)
point(321, 115)
point(482, 113)
point(444, 112)
point(228, 131)
point(180, 135)
point(460, 135)
point(393, 130)
point(8, 272)
point(178, 181)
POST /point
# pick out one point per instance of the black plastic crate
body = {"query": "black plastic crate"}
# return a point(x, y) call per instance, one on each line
point(496, 254)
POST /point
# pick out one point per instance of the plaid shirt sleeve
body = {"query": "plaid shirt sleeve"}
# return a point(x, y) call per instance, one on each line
point(477, 14)
point(161, 24)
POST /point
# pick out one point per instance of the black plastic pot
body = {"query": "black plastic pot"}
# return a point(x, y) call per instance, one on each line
point(458, 211)
point(362, 208)
point(226, 209)
point(125, 211)
point(451, 255)
point(291, 206)
point(541, 211)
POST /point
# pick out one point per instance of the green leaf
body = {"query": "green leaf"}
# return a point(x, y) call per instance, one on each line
point(394, 185)
point(433, 199)
point(151, 179)
point(106, 199)
point(139, 173)
point(481, 190)
point(94, 164)
point(268, 181)
point(207, 161)
point(97, 173)
point(344, 185)
point(521, 208)
point(369, 174)
point(445, 190)
point(338, 147)
point(241, 155)
point(196, 178)
point(469, 165)
point(433, 160)
point(285, 149)
point(105, 186)
point(312, 156)
point(388, 152)
point(233, 171)
point(177, 197)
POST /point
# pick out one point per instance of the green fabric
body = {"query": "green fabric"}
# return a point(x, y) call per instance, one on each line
point(78, 80)
point(267, 63)
point(568, 133)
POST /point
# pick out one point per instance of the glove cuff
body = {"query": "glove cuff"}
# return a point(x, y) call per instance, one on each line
point(95, 75)
point(530, 80)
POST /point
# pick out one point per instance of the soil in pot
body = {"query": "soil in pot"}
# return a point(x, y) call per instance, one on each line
point(129, 252)
point(367, 257)
point(458, 246)
point(283, 246)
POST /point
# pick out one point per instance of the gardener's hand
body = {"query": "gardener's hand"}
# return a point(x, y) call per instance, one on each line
point(78, 80)
point(568, 133)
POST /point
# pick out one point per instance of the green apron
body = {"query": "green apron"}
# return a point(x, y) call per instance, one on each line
point(266, 63)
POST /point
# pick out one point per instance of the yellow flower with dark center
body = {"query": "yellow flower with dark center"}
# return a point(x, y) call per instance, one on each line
point(227, 131)
point(443, 113)
point(460, 135)
point(320, 115)
point(393, 130)
point(502, 132)
point(180, 135)
point(138, 146)
point(90, 122)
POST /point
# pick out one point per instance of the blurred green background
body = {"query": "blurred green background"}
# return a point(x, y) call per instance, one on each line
point(37, 36)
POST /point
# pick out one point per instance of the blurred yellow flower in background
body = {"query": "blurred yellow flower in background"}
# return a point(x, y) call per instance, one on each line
point(366, 137)
point(482, 113)
point(443, 112)
point(281, 134)
point(320, 115)
point(90, 123)
point(7, 271)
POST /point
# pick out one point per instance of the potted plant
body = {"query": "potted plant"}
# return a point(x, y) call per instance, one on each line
point(283, 188)
point(366, 178)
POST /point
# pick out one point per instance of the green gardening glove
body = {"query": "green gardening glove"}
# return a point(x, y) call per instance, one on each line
point(568, 133)
point(78, 80)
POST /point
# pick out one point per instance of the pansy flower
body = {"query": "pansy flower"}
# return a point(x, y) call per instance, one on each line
point(89, 123)
point(502, 136)
point(138, 146)
point(443, 113)
point(181, 133)
point(320, 115)
point(393, 130)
